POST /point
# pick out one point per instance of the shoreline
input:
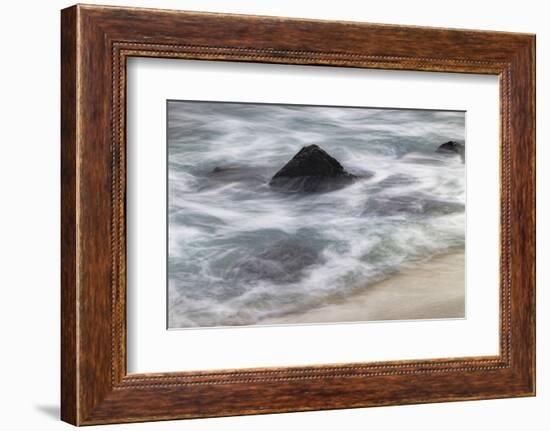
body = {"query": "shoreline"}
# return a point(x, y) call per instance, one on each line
point(434, 289)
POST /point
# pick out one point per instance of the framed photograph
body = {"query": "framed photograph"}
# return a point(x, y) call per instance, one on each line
point(264, 214)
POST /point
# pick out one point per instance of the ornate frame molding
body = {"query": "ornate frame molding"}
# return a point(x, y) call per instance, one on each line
point(96, 41)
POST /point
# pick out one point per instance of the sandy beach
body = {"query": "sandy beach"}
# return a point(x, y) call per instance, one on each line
point(432, 290)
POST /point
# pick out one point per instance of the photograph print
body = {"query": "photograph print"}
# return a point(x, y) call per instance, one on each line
point(299, 214)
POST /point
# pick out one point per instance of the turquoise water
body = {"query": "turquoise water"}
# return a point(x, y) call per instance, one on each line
point(240, 252)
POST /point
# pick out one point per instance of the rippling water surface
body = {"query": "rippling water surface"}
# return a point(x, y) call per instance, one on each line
point(241, 252)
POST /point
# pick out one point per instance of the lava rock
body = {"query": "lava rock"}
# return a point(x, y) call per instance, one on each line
point(312, 169)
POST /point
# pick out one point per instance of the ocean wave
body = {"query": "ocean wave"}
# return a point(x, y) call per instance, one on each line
point(241, 252)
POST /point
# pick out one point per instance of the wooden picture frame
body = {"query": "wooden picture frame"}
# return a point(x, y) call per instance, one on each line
point(95, 43)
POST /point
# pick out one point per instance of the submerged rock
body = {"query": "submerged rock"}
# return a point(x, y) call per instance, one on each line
point(280, 262)
point(452, 147)
point(410, 205)
point(312, 169)
point(238, 173)
point(222, 175)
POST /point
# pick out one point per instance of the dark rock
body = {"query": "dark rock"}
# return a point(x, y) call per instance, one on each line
point(452, 147)
point(311, 161)
point(311, 169)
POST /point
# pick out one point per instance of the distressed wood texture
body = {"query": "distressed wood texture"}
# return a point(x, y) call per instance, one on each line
point(96, 41)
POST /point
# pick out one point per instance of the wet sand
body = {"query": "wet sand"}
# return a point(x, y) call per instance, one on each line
point(431, 290)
